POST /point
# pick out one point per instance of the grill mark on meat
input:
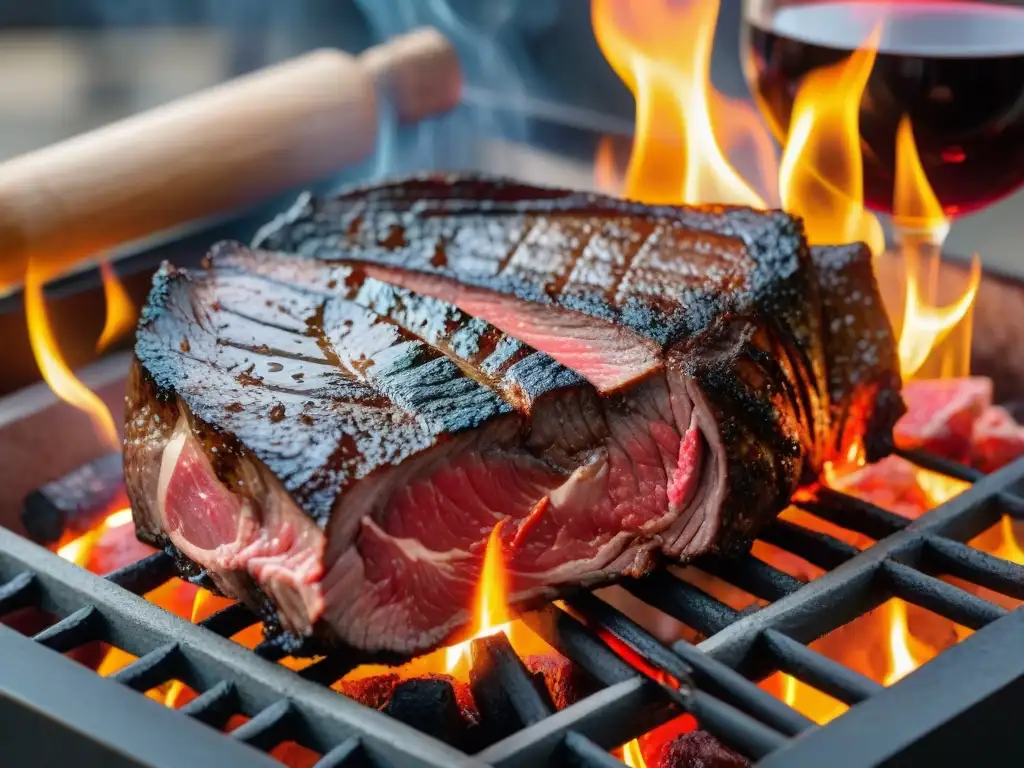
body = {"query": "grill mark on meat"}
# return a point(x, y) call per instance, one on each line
point(516, 373)
point(641, 236)
point(264, 349)
point(509, 254)
point(226, 309)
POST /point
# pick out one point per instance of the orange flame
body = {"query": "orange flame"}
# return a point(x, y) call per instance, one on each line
point(120, 310)
point(664, 54)
point(52, 366)
point(918, 214)
point(818, 706)
point(820, 174)
point(491, 611)
point(79, 550)
point(901, 659)
point(606, 176)
point(916, 207)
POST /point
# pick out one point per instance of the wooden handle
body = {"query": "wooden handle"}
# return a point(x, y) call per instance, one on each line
point(215, 151)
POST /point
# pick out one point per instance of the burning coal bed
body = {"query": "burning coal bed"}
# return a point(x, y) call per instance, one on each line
point(462, 695)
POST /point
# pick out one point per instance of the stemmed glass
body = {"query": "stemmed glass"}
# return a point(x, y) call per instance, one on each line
point(950, 72)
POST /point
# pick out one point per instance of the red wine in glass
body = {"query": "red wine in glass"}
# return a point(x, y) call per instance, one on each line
point(956, 68)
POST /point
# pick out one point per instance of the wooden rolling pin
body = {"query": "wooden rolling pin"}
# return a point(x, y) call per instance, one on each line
point(215, 151)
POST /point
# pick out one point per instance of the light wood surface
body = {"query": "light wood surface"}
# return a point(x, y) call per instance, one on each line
point(214, 151)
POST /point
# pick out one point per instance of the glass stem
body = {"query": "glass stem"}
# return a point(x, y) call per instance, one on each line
point(920, 250)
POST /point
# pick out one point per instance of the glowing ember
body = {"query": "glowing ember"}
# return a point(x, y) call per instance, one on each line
point(52, 366)
point(675, 156)
point(491, 607)
point(120, 310)
point(820, 175)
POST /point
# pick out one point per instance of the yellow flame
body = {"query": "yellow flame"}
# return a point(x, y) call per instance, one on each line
point(491, 606)
point(916, 207)
point(663, 53)
point(632, 756)
point(1009, 548)
point(939, 488)
point(925, 326)
point(901, 658)
point(52, 366)
point(919, 216)
point(80, 549)
point(818, 706)
point(789, 690)
point(120, 309)
point(820, 174)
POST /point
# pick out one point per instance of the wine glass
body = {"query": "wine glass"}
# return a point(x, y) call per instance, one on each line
point(955, 68)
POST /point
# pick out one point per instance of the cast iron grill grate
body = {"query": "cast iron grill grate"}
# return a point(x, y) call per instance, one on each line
point(922, 717)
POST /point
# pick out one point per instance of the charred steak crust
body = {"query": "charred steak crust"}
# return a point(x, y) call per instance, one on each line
point(746, 262)
point(333, 434)
point(860, 350)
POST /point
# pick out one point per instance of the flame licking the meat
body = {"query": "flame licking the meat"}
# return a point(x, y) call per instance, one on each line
point(491, 613)
point(676, 155)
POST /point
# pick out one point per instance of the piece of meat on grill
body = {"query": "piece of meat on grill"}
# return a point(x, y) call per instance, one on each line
point(334, 441)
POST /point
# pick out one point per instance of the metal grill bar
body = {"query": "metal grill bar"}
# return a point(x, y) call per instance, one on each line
point(820, 549)
point(215, 706)
point(680, 600)
point(78, 714)
point(582, 752)
point(708, 675)
point(912, 723)
point(939, 597)
point(269, 728)
point(348, 754)
point(751, 575)
point(139, 627)
point(72, 631)
point(229, 621)
point(820, 671)
point(842, 594)
point(145, 574)
point(735, 728)
point(973, 565)
point(18, 592)
point(156, 667)
point(611, 717)
point(852, 513)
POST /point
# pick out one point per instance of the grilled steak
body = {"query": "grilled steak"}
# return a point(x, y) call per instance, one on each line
point(333, 425)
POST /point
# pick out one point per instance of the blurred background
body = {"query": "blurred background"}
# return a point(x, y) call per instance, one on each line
point(535, 77)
